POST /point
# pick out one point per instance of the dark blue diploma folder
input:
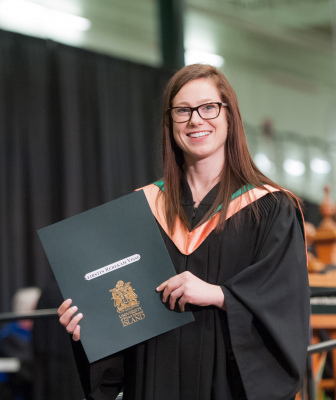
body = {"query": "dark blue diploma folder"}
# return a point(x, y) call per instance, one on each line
point(109, 260)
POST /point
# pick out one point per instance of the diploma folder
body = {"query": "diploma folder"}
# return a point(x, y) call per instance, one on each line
point(109, 260)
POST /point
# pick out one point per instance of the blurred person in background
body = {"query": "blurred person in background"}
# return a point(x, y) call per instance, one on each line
point(16, 341)
point(55, 372)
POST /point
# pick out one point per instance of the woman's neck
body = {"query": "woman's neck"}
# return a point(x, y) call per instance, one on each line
point(202, 176)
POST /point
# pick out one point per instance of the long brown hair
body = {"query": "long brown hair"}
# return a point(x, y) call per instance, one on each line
point(239, 168)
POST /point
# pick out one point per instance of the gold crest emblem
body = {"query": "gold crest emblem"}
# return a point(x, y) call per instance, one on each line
point(124, 297)
point(125, 300)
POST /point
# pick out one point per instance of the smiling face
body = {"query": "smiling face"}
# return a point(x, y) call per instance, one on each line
point(200, 139)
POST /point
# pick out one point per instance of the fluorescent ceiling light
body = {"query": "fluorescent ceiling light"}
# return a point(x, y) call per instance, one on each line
point(320, 166)
point(28, 15)
point(201, 57)
point(264, 163)
point(294, 167)
point(61, 18)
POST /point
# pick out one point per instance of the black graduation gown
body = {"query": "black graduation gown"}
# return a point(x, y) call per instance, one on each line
point(254, 350)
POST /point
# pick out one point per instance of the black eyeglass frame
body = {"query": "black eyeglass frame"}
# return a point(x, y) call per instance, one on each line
point(192, 109)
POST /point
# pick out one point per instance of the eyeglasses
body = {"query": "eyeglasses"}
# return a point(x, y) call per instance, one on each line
point(205, 111)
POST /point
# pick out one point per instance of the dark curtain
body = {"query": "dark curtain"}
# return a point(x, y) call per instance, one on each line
point(77, 129)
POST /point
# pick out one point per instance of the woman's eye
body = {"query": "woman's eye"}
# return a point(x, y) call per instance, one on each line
point(182, 111)
point(208, 107)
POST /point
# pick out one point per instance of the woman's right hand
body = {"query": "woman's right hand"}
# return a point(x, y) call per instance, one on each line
point(71, 324)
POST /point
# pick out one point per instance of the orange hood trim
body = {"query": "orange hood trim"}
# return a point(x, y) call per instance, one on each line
point(187, 242)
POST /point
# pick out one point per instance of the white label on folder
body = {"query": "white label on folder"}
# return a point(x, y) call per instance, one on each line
point(112, 267)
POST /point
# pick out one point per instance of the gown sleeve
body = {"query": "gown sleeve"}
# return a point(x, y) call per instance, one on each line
point(268, 308)
point(101, 380)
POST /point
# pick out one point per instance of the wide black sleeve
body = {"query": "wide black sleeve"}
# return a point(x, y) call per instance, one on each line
point(103, 379)
point(268, 308)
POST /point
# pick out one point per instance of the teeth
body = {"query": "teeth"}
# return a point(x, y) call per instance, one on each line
point(199, 134)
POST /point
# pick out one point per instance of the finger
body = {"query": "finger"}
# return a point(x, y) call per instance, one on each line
point(70, 328)
point(172, 285)
point(182, 302)
point(162, 286)
point(169, 282)
point(76, 333)
point(66, 317)
point(63, 307)
point(174, 296)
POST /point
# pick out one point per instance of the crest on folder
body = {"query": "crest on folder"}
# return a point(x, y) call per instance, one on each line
point(124, 296)
point(126, 303)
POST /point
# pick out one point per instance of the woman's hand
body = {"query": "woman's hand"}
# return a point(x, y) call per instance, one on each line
point(71, 324)
point(187, 288)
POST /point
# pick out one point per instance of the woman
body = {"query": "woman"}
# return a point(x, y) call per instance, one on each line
point(244, 276)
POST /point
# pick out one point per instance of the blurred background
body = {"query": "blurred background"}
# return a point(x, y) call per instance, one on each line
point(80, 104)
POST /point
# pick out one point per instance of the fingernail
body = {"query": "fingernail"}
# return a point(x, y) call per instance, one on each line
point(80, 314)
point(69, 301)
point(75, 308)
point(157, 288)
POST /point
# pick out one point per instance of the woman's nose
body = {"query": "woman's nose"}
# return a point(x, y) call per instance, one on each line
point(195, 118)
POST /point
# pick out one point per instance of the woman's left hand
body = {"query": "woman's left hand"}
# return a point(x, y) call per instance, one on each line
point(187, 288)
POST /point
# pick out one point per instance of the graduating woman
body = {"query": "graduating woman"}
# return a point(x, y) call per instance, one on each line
point(237, 245)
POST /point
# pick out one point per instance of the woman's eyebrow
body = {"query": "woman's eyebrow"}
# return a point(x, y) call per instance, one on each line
point(187, 104)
